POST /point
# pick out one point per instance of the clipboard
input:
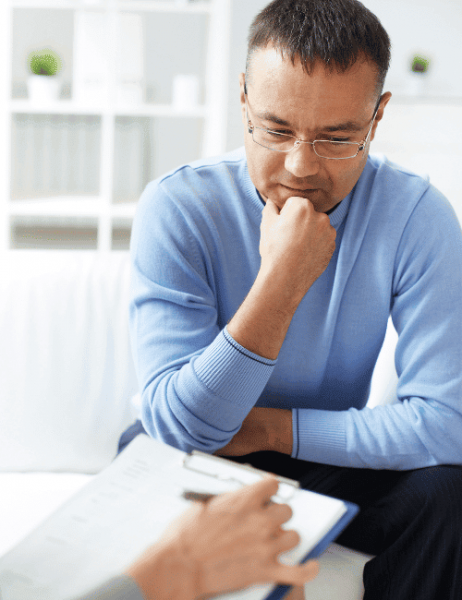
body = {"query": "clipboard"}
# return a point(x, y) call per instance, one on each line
point(85, 542)
point(352, 510)
point(287, 488)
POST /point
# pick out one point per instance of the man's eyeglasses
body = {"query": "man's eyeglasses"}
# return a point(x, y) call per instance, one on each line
point(332, 149)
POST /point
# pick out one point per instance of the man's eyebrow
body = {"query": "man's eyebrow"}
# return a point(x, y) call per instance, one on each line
point(267, 116)
point(347, 126)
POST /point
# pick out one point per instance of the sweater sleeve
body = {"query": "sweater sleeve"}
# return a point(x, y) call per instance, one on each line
point(197, 383)
point(423, 427)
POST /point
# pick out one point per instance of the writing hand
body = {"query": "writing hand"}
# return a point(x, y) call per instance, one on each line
point(230, 542)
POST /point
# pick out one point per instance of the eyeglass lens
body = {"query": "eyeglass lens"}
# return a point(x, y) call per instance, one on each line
point(323, 148)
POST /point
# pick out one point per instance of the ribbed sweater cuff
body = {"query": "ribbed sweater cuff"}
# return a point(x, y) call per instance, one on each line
point(321, 436)
point(232, 372)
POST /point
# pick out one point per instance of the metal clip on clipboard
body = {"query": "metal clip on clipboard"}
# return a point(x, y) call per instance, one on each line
point(287, 487)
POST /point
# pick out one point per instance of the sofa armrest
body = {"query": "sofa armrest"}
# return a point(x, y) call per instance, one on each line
point(67, 370)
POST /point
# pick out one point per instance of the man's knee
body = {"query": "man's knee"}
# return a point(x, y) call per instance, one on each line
point(438, 488)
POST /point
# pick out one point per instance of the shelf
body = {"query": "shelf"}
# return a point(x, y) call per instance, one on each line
point(70, 206)
point(59, 206)
point(159, 6)
point(82, 163)
point(125, 210)
point(64, 107)
point(121, 5)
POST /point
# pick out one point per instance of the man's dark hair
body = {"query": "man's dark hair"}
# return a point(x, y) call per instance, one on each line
point(336, 32)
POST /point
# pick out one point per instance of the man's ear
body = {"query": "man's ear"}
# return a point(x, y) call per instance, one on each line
point(242, 96)
point(378, 117)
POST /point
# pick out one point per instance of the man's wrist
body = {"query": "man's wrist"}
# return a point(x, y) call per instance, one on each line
point(280, 431)
point(165, 575)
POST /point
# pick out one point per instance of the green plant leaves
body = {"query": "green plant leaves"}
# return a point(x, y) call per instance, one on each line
point(44, 62)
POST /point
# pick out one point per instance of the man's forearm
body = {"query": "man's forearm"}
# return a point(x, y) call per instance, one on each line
point(296, 245)
point(262, 321)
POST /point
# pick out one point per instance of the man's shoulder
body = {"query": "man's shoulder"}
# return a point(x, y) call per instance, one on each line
point(390, 186)
point(199, 178)
point(214, 166)
point(392, 174)
point(233, 157)
point(209, 192)
point(396, 195)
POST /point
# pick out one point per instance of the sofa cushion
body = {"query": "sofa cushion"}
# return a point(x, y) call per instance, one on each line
point(67, 374)
point(27, 499)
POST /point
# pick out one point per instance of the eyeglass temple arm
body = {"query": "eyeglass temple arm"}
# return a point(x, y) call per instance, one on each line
point(363, 145)
point(249, 128)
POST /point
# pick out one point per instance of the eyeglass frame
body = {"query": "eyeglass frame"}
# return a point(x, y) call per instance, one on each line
point(361, 145)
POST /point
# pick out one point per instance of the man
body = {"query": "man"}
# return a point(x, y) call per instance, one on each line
point(263, 283)
point(227, 543)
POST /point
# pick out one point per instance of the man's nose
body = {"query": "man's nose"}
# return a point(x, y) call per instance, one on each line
point(302, 161)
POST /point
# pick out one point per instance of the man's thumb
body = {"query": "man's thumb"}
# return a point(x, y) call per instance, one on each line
point(271, 207)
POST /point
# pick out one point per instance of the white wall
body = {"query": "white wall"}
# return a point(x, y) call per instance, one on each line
point(430, 27)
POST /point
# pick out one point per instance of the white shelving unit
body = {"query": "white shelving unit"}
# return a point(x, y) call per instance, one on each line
point(99, 210)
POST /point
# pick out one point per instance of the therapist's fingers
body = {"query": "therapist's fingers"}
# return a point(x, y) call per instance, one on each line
point(255, 495)
point(296, 575)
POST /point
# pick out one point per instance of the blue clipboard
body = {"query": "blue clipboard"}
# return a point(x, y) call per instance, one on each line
point(352, 510)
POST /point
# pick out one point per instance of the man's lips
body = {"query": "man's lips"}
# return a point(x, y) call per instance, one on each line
point(307, 190)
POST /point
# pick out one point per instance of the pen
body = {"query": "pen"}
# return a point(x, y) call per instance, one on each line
point(197, 496)
point(202, 497)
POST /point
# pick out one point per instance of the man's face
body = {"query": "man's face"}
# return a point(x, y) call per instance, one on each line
point(322, 105)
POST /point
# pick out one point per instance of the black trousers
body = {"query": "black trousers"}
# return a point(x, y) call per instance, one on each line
point(411, 521)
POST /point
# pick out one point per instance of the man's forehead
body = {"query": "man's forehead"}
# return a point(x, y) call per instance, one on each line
point(277, 83)
point(270, 64)
point(269, 58)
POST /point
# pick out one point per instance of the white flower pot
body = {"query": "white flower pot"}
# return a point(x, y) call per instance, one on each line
point(417, 84)
point(185, 91)
point(43, 89)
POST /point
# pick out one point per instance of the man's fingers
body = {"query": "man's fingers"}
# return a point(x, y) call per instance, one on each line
point(286, 541)
point(297, 202)
point(271, 206)
point(279, 513)
point(262, 491)
point(255, 495)
point(296, 574)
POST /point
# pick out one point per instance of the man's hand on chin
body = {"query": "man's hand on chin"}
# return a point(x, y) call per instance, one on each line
point(262, 429)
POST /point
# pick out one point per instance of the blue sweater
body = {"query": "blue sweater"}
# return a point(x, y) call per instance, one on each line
point(399, 251)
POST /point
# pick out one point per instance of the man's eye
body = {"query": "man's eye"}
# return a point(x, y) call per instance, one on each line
point(335, 139)
point(277, 133)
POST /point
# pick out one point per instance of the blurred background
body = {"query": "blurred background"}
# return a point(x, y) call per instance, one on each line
point(98, 97)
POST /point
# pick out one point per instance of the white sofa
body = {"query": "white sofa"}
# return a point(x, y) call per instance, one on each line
point(67, 385)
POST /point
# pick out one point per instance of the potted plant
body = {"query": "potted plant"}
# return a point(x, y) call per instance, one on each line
point(418, 76)
point(420, 64)
point(43, 83)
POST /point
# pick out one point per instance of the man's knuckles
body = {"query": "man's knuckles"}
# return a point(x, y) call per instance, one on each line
point(297, 204)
